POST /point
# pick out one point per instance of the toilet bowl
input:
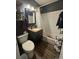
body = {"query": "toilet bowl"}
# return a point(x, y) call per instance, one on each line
point(27, 45)
point(29, 48)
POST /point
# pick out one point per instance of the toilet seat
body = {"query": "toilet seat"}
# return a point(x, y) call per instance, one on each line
point(28, 46)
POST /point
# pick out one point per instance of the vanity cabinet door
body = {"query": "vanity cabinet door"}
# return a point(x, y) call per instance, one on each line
point(35, 36)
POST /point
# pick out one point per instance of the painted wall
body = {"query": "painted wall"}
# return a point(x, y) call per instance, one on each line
point(38, 18)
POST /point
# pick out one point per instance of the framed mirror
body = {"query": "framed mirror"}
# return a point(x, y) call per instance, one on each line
point(32, 17)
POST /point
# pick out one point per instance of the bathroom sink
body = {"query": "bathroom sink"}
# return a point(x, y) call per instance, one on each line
point(35, 29)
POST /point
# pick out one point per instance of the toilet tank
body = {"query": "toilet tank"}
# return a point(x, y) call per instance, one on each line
point(23, 38)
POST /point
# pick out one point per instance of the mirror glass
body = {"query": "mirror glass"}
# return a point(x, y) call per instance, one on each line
point(31, 17)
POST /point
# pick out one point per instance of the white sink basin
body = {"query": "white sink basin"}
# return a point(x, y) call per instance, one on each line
point(35, 29)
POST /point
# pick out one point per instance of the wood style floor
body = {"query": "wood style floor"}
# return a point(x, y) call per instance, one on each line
point(44, 50)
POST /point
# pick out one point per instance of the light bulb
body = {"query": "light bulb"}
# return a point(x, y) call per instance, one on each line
point(32, 8)
point(28, 6)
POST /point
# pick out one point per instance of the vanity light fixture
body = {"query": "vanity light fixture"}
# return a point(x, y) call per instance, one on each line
point(28, 7)
point(32, 9)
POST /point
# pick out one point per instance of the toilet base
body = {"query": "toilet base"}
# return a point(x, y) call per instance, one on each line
point(30, 54)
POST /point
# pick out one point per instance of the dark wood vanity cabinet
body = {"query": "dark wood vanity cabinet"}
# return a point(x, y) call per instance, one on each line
point(35, 36)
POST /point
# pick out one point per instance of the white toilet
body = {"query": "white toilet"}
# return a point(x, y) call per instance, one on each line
point(27, 45)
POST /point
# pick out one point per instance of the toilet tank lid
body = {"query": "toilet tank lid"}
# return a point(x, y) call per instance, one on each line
point(28, 45)
point(23, 35)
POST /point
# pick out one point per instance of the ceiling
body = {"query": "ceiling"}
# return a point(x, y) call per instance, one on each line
point(44, 2)
point(31, 2)
point(35, 3)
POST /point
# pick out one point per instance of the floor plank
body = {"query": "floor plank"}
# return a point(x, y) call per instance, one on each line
point(44, 50)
